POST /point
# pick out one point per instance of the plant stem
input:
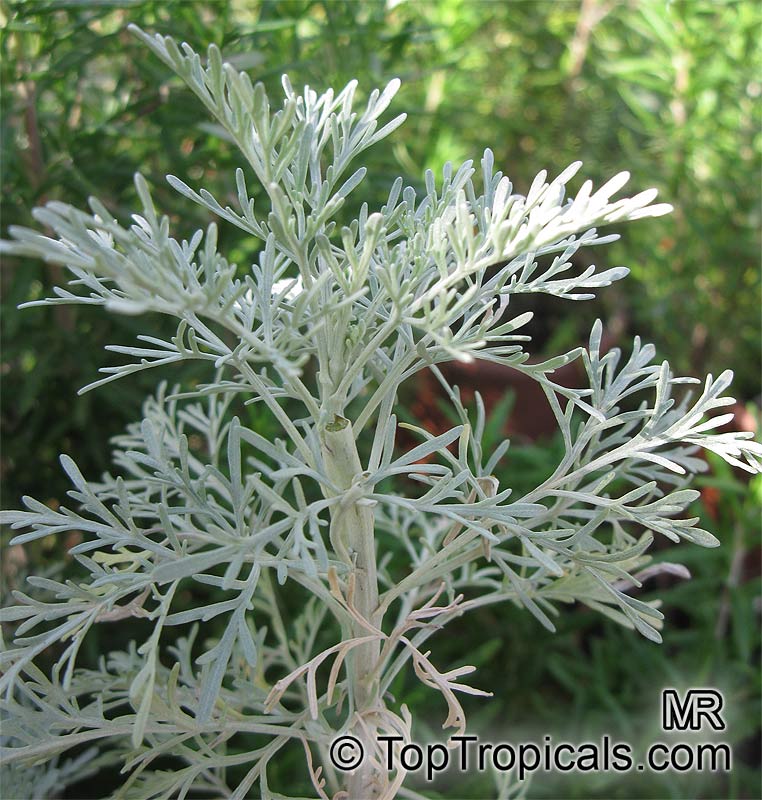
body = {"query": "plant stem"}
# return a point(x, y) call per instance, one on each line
point(352, 535)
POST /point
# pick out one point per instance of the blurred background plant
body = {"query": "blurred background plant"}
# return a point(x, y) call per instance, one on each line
point(668, 90)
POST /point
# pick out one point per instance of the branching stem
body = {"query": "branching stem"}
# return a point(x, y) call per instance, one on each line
point(353, 535)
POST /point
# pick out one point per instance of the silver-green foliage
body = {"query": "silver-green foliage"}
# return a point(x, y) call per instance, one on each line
point(332, 321)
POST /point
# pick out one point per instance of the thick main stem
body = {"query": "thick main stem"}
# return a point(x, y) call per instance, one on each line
point(352, 536)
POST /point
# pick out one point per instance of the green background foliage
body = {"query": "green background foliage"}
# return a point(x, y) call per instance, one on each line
point(668, 90)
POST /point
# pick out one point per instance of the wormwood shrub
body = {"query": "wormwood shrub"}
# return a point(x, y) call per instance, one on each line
point(293, 538)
